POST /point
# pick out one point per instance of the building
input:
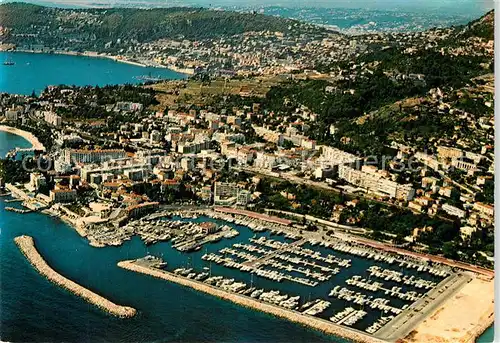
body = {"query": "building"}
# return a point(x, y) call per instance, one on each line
point(62, 195)
point(464, 164)
point(12, 115)
point(194, 146)
point(135, 211)
point(225, 193)
point(484, 209)
point(467, 231)
point(208, 228)
point(448, 152)
point(52, 118)
point(453, 211)
point(415, 206)
point(136, 174)
point(374, 181)
point(37, 181)
point(92, 156)
point(243, 197)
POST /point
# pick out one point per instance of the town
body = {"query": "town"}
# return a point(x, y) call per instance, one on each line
point(340, 182)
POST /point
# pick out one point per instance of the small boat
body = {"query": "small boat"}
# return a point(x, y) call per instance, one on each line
point(8, 63)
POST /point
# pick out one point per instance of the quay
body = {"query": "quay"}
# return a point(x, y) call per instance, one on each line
point(27, 246)
point(255, 215)
point(18, 210)
point(293, 316)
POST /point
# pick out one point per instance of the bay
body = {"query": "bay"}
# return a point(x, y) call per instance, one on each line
point(9, 141)
point(32, 72)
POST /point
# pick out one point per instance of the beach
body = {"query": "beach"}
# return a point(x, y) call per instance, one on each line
point(461, 318)
point(37, 145)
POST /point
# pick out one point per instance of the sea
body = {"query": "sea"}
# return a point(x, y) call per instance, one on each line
point(32, 72)
point(33, 309)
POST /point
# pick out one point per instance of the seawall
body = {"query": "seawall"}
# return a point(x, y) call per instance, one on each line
point(313, 322)
point(27, 246)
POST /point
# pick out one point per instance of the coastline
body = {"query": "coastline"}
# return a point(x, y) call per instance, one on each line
point(27, 246)
point(36, 144)
point(119, 59)
point(293, 316)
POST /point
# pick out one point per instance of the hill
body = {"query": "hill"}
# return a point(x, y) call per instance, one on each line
point(92, 28)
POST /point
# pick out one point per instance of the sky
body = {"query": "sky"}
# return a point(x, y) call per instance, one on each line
point(451, 6)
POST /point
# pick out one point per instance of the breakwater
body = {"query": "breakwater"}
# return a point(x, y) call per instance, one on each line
point(27, 246)
point(293, 316)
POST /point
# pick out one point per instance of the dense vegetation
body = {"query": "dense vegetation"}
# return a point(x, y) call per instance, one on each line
point(93, 28)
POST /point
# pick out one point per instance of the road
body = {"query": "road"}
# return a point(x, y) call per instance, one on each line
point(420, 310)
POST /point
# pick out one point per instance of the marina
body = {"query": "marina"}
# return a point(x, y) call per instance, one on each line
point(340, 283)
point(267, 301)
point(345, 284)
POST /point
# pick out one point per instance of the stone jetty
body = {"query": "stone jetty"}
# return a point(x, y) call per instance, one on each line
point(27, 246)
point(297, 317)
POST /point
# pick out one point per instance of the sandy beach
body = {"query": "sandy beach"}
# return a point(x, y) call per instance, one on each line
point(462, 318)
point(26, 135)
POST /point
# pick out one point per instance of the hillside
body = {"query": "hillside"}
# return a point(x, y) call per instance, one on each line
point(386, 91)
point(92, 28)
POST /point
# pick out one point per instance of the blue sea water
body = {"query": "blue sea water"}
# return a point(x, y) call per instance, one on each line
point(33, 72)
point(9, 141)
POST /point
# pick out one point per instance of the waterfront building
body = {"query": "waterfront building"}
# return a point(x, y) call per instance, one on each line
point(12, 115)
point(62, 195)
point(225, 193)
point(208, 228)
point(135, 211)
point(37, 180)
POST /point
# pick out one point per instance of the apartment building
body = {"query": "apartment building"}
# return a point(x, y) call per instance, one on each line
point(92, 156)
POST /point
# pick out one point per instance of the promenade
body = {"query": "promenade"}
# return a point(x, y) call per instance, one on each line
point(25, 134)
point(255, 215)
point(27, 246)
point(294, 316)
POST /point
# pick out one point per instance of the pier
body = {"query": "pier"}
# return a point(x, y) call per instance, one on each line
point(294, 316)
point(18, 210)
point(27, 246)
